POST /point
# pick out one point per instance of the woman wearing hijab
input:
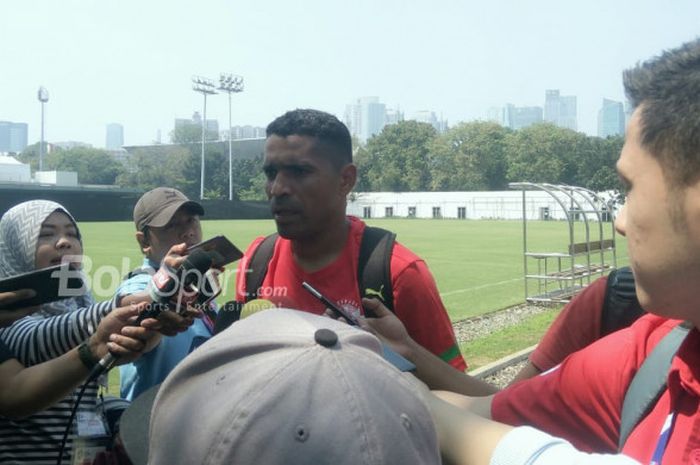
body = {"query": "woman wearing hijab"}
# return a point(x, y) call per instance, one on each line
point(35, 235)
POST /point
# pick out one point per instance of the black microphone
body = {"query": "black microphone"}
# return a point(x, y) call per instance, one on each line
point(167, 282)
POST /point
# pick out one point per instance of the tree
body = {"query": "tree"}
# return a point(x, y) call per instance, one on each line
point(149, 168)
point(190, 133)
point(94, 166)
point(539, 153)
point(470, 156)
point(30, 155)
point(397, 159)
point(597, 170)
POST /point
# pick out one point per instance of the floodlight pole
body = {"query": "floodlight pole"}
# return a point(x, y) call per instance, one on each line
point(230, 83)
point(205, 87)
point(43, 96)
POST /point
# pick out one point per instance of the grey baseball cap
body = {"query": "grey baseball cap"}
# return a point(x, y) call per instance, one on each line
point(288, 387)
point(157, 207)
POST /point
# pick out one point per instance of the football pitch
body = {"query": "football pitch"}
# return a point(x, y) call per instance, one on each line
point(478, 265)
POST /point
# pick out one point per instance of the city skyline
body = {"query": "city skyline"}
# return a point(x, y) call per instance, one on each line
point(131, 62)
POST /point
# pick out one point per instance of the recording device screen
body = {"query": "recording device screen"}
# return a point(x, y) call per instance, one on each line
point(222, 251)
point(50, 284)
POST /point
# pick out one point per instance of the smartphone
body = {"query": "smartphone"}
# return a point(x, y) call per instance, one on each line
point(50, 284)
point(400, 362)
point(335, 308)
point(222, 251)
point(210, 288)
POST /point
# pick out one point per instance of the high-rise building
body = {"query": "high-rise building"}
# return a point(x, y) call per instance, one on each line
point(373, 117)
point(212, 125)
point(353, 118)
point(611, 119)
point(244, 132)
point(365, 117)
point(514, 117)
point(393, 116)
point(427, 116)
point(560, 110)
point(520, 117)
point(13, 136)
point(551, 106)
point(115, 136)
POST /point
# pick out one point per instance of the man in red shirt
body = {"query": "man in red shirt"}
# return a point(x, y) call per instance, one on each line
point(608, 304)
point(309, 170)
point(581, 399)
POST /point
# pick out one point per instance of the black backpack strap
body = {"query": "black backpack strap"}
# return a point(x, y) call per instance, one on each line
point(649, 382)
point(254, 277)
point(374, 265)
point(620, 307)
point(257, 266)
point(228, 314)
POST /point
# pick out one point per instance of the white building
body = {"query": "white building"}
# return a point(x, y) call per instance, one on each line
point(57, 178)
point(458, 205)
point(12, 170)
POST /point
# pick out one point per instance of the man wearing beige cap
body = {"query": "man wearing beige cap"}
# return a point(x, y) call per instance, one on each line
point(163, 217)
point(284, 387)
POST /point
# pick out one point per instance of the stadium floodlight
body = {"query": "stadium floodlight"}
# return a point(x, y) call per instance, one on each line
point(205, 87)
point(43, 96)
point(231, 84)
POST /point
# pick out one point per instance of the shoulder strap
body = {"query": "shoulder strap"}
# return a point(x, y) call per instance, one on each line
point(257, 267)
point(649, 382)
point(230, 312)
point(620, 307)
point(374, 265)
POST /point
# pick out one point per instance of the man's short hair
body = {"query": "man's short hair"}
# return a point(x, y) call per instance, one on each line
point(667, 91)
point(323, 126)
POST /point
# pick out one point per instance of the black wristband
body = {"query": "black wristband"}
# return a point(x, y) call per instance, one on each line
point(86, 356)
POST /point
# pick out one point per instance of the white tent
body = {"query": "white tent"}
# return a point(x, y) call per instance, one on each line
point(12, 170)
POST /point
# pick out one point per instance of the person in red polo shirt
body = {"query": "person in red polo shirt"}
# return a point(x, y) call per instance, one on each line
point(310, 173)
point(581, 399)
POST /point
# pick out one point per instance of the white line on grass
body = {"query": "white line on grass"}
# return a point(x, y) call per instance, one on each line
point(476, 288)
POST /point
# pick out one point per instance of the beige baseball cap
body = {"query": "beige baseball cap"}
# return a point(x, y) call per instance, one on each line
point(285, 387)
point(156, 207)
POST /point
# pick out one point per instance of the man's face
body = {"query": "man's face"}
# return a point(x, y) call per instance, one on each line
point(184, 226)
point(307, 193)
point(662, 226)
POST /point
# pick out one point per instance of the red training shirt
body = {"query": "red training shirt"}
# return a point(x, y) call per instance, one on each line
point(417, 302)
point(581, 400)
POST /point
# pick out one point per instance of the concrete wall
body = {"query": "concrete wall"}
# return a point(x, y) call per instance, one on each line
point(506, 205)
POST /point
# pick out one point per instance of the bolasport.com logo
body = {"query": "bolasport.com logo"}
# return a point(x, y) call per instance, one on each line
point(78, 276)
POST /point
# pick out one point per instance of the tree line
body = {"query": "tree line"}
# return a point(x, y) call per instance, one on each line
point(408, 156)
point(481, 156)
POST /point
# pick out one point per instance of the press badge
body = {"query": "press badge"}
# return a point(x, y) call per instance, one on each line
point(91, 437)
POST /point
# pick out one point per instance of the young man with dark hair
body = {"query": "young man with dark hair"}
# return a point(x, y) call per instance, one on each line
point(164, 217)
point(309, 170)
point(582, 399)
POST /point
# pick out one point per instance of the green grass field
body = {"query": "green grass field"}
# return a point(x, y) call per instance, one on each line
point(478, 265)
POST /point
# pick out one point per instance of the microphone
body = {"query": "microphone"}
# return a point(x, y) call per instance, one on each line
point(166, 283)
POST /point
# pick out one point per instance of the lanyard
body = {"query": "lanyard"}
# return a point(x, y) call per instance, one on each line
point(663, 440)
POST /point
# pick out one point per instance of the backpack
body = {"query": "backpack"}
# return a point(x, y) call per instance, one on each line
point(373, 272)
point(620, 309)
point(620, 306)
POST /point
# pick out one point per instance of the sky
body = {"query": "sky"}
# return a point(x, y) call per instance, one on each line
point(131, 61)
